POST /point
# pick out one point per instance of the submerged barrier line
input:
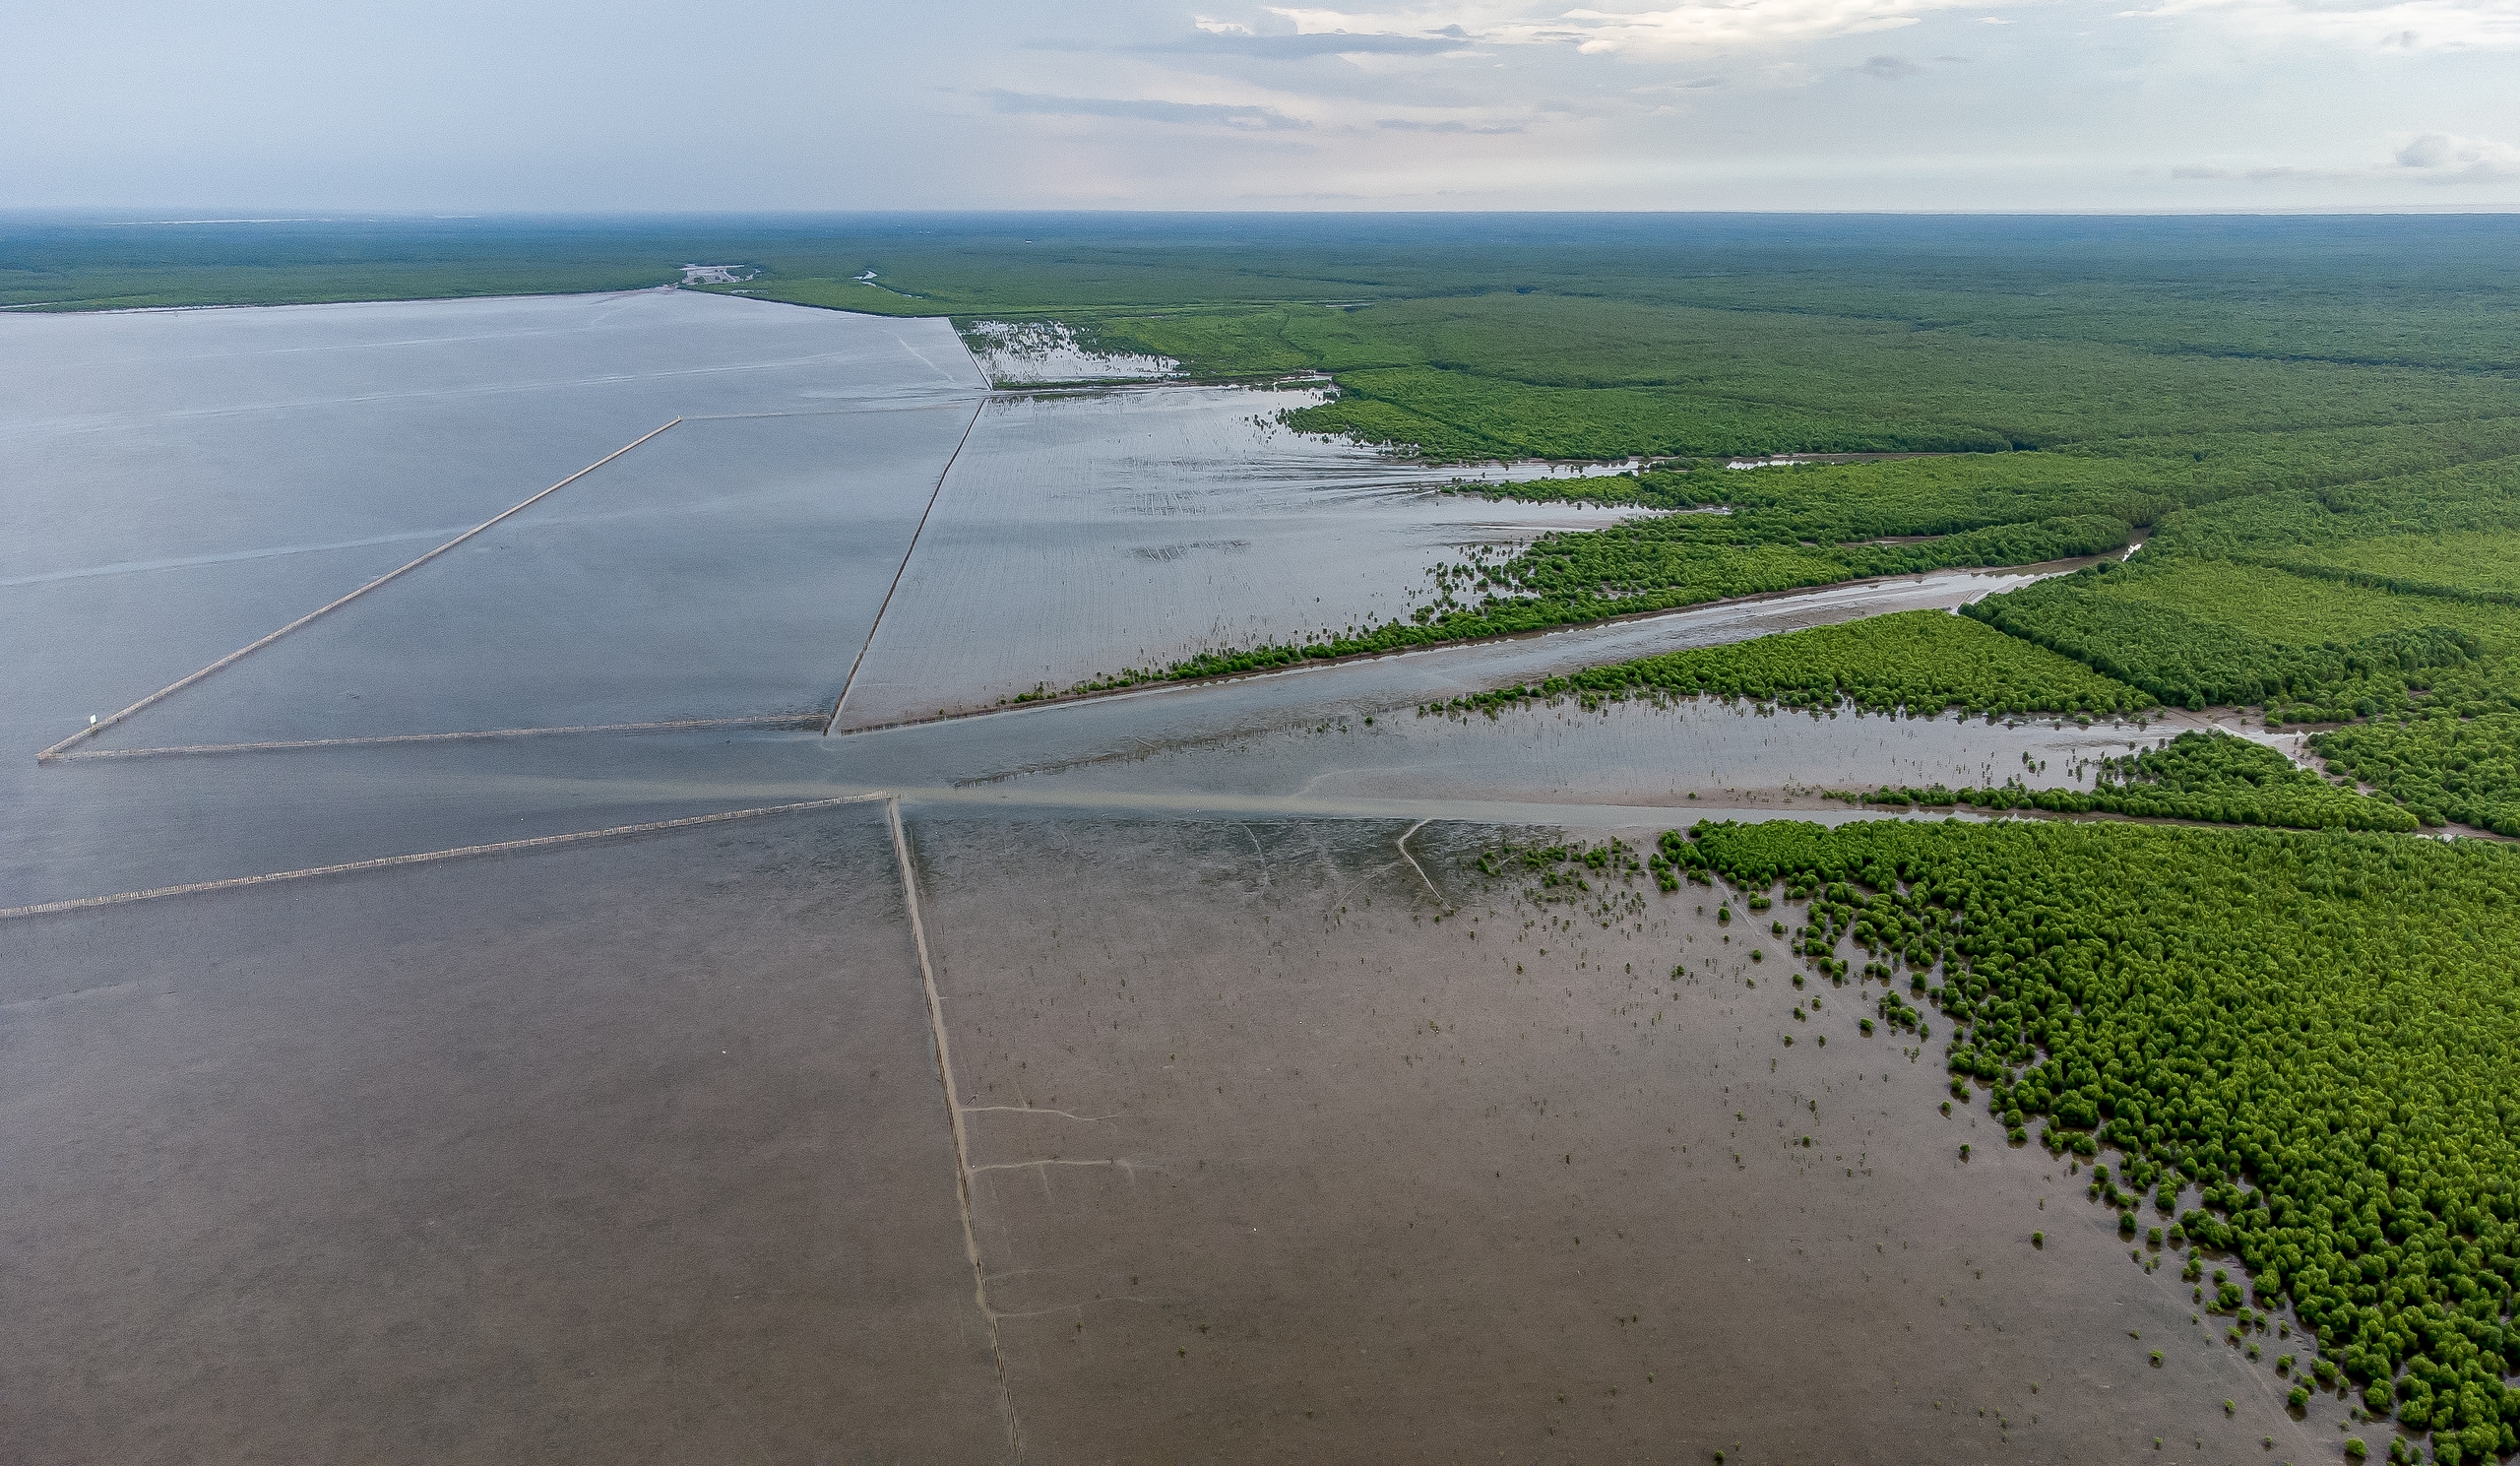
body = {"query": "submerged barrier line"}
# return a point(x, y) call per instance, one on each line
point(953, 1113)
point(93, 729)
point(427, 857)
point(900, 570)
point(1403, 843)
point(685, 725)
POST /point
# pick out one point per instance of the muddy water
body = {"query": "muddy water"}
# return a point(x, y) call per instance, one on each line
point(610, 1154)
point(140, 823)
point(1266, 1162)
point(156, 435)
point(1682, 754)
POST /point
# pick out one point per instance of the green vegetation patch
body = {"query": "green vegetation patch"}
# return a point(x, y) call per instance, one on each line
point(1924, 663)
point(2316, 1037)
point(1621, 365)
point(2442, 768)
point(2280, 607)
point(2200, 634)
point(2186, 622)
point(1457, 415)
point(2325, 604)
point(2212, 777)
point(2137, 479)
point(1650, 566)
point(2452, 534)
point(2468, 564)
point(2308, 522)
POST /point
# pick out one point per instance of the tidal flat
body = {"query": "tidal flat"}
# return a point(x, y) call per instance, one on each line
point(634, 1152)
point(1289, 1140)
point(1272, 1129)
point(1279, 1135)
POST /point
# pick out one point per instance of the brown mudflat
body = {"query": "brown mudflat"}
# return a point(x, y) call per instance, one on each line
point(640, 1152)
point(1330, 1179)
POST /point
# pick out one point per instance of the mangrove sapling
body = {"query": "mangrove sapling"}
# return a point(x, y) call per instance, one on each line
point(2157, 959)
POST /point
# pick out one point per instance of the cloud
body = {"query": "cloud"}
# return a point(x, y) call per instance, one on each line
point(1891, 68)
point(2392, 25)
point(1213, 41)
point(2433, 157)
point(1197, 114)
point(1697, 23)
point(2198, 175)
point(1403, 125)
point(2440, 158)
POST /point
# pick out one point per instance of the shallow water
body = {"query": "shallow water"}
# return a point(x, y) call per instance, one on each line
point(163, 435)
point(180, 483)
point(624, 1154)
point(1629, 755)
point(1027, 353)
point(729, 568)
point(642, 1143)
point(1078, 535)
point(1260, 1153)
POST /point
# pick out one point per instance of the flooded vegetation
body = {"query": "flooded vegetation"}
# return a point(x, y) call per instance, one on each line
point(1034, 353)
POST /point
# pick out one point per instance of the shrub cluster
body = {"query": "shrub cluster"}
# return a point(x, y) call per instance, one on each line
point(2211, 777)
point(2441, 767)
point(1658, 564)
point(2318, 1032)
point(1919, 661)
point(2191, 660)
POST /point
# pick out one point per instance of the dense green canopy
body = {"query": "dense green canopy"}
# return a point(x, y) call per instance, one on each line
point(2307, 1047)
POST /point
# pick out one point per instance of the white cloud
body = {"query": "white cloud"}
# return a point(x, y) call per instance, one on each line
point(1144, 110)
point(1738, 24)
point(2399, 25)
point(2440, 158)
point(2431, 157)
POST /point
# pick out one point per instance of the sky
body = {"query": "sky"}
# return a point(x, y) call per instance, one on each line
point(2109, 105)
